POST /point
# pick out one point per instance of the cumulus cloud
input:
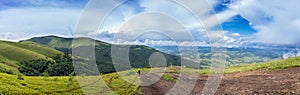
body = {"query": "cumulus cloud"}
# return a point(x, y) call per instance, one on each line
point(219, 18)
point(180, 24)
point(157, 22)
point(276, 21)
point(22, 20)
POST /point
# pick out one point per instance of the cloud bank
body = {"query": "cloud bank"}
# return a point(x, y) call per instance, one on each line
point(275, 22)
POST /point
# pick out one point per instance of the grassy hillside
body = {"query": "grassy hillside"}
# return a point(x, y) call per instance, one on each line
point(67, 85)
point(63, 85)
point(272, 65)
point(63, 44)
point(138, 54)
point(12, 54)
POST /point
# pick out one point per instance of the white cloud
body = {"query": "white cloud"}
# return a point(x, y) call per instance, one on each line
point(174, 22)
point(24, 22)
point(155, 22)
point(219, 18)
point(187, 12)
point(277, 21)
point(28, 22)
point(162, 43)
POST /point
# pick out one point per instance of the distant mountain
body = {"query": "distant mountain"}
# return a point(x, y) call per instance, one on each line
point(12, 53)
point(234, 56)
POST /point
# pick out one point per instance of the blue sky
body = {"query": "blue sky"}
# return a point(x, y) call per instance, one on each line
point(239, 25)
point(273, 22)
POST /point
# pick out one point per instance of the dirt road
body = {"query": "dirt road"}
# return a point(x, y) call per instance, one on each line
point(278, 82)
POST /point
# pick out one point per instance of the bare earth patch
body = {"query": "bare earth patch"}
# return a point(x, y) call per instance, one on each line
point(277, 82)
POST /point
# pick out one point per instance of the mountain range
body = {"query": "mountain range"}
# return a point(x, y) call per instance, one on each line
point(12, 54)
point(52, 48)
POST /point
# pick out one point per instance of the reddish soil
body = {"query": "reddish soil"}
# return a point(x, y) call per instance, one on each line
point(277, 82)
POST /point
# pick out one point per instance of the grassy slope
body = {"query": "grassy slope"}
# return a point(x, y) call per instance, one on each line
point(60, 42)
point(61, 85)
point(12, 53)
point(138, 53)
point(273, 65)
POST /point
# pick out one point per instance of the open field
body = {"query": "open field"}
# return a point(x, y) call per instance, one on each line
point(12, 84)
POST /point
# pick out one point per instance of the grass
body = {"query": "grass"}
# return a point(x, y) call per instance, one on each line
point(35, 85)
point(60, 42)
point(8, 69)
point(172, 69)
point(273, 65)
point(45, 50)
point(11, 54)
point(168, 77)
point(18, 54)
point(65, 85)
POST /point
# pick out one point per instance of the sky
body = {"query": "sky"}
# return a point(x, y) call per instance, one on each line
point(157, 22)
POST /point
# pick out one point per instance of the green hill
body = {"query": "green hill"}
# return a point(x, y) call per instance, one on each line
point(13, 53)
point(138, 55)
point(63, 44)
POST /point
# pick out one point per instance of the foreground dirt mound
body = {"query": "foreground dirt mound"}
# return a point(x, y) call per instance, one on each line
point(278, 82)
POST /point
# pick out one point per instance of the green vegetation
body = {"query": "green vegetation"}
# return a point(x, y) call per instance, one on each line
point(8, 69)
point(172, 69)
point(36, 56)
point(61, 66)
point(32, 68)
point(17, 84)
point(240, 57)
point(11, 54)
point(63, 85)
point(273, 65)
point(168, 77)
point(234, 56)
point(138, 54)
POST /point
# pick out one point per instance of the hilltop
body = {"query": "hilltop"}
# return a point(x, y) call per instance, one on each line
point(138, 54)
point(37, 50)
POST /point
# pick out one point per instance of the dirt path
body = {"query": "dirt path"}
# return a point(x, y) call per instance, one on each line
point(158, 88)
point(278, 82)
